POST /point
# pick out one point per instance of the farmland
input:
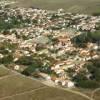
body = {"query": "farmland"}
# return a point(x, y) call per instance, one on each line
point(76, 6)
point(18, 87)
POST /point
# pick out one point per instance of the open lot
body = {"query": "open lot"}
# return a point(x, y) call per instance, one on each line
point(77, 6)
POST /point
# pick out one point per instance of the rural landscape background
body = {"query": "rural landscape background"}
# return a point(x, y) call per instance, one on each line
point(76, 6)
point(50, 50)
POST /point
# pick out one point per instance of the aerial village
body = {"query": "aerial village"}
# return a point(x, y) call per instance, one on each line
point(46, 37)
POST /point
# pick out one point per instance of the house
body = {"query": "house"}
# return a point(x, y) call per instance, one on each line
point(70, 84)
point(16, 67)
point(1, 56)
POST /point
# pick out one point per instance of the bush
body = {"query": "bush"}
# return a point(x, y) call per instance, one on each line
point(7, 45)
point(81, 79)
point(84, 38)
point(25, 60)
point(88, 84)
point(94, 68)
point(7, 59)
point(46, 69)
point(28, 71)
point(96, 14)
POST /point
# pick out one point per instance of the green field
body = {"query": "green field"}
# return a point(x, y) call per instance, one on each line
point(77, 6)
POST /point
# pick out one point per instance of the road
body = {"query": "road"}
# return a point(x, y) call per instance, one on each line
point(93, 93)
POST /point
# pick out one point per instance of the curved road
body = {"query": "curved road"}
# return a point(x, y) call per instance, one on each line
point(93, 93)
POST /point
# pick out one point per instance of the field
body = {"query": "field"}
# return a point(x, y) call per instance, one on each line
point(77, 6)
point(4, 72)
point(97, 95)
point(14, 86)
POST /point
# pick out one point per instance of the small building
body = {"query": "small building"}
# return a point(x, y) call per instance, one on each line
point(16, 67)
point(70, 84)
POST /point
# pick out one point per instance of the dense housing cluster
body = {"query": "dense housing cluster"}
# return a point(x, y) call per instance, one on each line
point(43, 43)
